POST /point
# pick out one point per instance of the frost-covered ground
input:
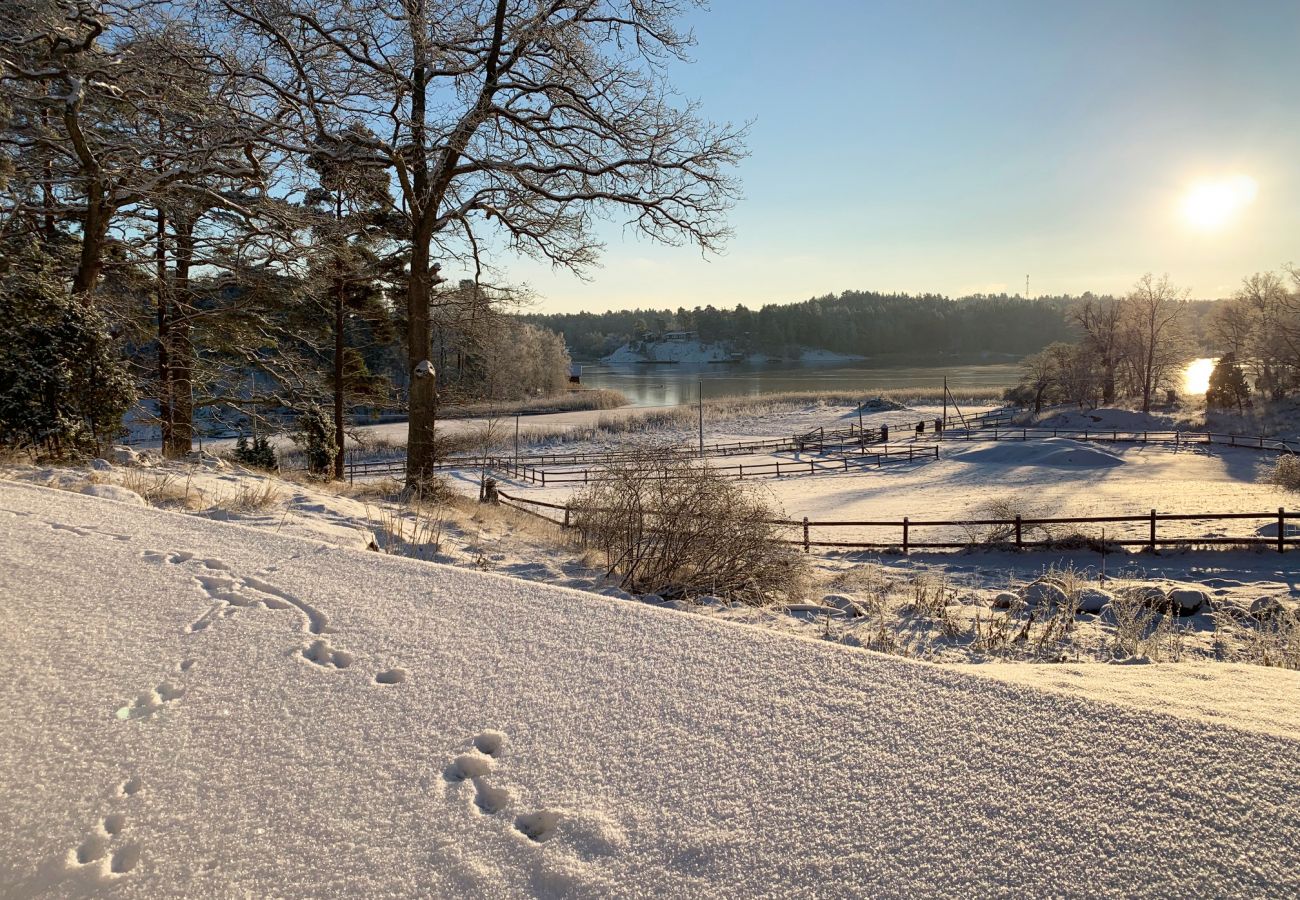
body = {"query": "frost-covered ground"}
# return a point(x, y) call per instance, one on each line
point(201, 709)
point(1048, 478)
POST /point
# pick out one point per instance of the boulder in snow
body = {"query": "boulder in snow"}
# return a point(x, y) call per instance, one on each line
point(1094, 600)
point(114, 492)
point(1187, 601)
point(207, 460)
point(101, 465)
point(1005, 600)
point(1148, 595)
point(805, 610)
point(1270, 609)
point(123, 456)
point(1045, 593)
point(844, 604)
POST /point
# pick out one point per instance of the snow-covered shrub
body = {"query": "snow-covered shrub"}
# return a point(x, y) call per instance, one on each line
point(63, 385)
point(1286, 472)
point(676, 528)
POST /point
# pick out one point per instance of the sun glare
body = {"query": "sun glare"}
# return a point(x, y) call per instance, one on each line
point(1196, 377)
point(1211, 204)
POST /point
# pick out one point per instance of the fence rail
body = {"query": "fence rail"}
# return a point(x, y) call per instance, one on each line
point(397, 466)
point(1014, 529)
point(855, 436)
point(877, 457)
point(1176, 438)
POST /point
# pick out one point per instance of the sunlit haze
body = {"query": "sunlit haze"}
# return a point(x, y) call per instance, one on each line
point(1213, 204)
point(957, 147)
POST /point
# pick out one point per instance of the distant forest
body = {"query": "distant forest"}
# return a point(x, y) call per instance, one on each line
point(857, 322)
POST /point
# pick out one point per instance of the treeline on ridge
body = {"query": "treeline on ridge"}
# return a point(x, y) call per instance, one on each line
point(862, 323)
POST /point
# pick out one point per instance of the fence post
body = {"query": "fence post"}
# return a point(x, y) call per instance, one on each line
point(566, 516)
point(1017, 531)
point(1281, 530)
point(543, 478)
point(905, 535)
point(810, 467)
point(1153, 531)
point(805, 534)
point(742, 470)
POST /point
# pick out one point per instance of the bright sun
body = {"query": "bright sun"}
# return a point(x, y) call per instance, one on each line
point(1211, 204)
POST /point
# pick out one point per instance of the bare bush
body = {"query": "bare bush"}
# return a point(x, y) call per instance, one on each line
point(1285, 473)
point(1141, 629)
point(249, 497)
point(679, 529)
point(1003, 533)
point(161, 488)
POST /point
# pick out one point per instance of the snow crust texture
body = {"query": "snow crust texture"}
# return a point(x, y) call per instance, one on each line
point(198, 709)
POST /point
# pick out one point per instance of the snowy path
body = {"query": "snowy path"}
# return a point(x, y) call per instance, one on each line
point(351, 724)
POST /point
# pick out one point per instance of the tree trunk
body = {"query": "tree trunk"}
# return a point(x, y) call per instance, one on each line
point(422, 407)
point(420, 451)
point(339, 288)
point(94, 231)
point(165, 411)
point(1108, 383)
point(182, 350)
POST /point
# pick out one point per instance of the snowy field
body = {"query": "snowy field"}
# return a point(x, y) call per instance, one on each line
point(203, 709)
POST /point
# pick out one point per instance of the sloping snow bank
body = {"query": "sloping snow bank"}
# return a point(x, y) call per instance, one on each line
point(1251, 697)
point(1056, 452)
point(201, 709)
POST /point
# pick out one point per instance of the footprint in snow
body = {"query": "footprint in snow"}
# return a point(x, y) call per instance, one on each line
point(98, 846)
point(322, 654)
point(151, 702)
point(476, 765)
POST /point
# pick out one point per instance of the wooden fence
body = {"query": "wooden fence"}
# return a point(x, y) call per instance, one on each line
point(824, 439)
point(1014, 530)
point(397, 466)
point(879, 456)
point(1172, 438)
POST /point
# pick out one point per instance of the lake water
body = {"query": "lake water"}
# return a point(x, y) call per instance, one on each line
point(671, 385)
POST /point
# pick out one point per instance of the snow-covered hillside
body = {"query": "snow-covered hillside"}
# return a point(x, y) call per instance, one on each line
point(195, 708)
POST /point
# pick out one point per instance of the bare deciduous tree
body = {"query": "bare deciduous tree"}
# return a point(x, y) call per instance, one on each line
point(519, 118)
point(1099, 318)
point(1153, 334)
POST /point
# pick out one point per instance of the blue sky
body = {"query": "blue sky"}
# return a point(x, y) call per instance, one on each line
point(958, 146)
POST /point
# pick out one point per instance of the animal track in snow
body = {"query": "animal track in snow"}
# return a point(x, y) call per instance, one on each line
point(476, 766)
point(152, 701)
point(490, 742)
point(469, 765)
point(538, 826)
point(228, 591)
point(98, 847)
point(491, 800)
point(322, 654)
point(87, 531)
